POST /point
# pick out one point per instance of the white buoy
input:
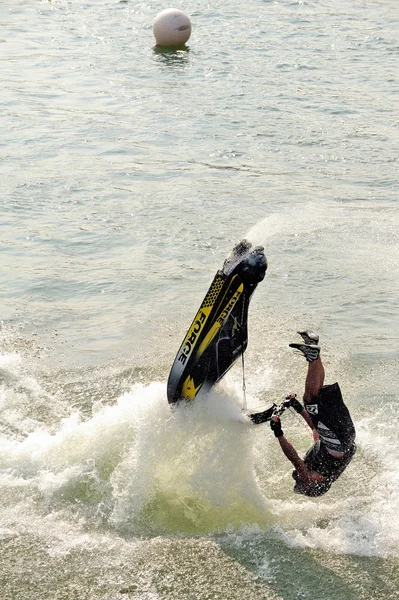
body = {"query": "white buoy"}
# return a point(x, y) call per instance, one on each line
point(172, 27)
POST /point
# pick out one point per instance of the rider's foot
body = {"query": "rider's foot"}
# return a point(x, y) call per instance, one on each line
point(309, 337)
point(310, 351)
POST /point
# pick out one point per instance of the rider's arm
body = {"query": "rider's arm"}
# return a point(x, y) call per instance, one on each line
point(292, 456)
point(298, 463)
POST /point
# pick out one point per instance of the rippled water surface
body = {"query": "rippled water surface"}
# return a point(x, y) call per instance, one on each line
point(127, 173)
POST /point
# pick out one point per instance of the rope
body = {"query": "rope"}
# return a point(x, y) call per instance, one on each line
point(244, 403)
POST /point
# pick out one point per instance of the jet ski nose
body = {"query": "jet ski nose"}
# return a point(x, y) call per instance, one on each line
point(242, 247)
point(255, 265)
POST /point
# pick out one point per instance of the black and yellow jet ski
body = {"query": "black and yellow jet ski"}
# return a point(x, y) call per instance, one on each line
point(218, 334)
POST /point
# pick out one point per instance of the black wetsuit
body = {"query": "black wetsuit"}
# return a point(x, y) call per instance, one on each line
point(336, 431)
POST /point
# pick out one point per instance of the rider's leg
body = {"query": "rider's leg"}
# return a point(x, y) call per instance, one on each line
point(314, 380)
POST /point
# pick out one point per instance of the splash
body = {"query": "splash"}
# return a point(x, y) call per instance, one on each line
point(138, 466)
point(192, 471)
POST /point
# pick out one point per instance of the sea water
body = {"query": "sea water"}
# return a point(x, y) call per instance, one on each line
point(128, 172)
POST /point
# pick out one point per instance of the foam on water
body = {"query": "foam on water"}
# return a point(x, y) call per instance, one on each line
point(190, 471)
point(137, 466)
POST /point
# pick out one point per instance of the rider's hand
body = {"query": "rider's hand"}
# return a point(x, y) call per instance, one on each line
point(315, 435)
point(275, 426)
point(294, 403)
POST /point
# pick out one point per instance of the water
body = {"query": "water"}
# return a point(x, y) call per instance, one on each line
point(127, 175)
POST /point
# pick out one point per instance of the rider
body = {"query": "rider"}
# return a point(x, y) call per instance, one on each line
point(330, 421)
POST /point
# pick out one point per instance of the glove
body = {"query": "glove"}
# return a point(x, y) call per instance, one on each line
point(294, 403)
point(275, 426)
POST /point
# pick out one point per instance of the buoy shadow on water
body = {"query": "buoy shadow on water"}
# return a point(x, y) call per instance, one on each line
point(172, 56)
point(171, 50)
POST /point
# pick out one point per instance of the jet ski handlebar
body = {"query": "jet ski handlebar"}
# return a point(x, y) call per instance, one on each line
point(266, 415)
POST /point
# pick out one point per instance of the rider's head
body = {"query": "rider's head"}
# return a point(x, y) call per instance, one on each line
point(310, 488)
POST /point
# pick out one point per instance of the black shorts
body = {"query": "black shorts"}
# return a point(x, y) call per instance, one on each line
point(332, 420)
point(320, 460)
